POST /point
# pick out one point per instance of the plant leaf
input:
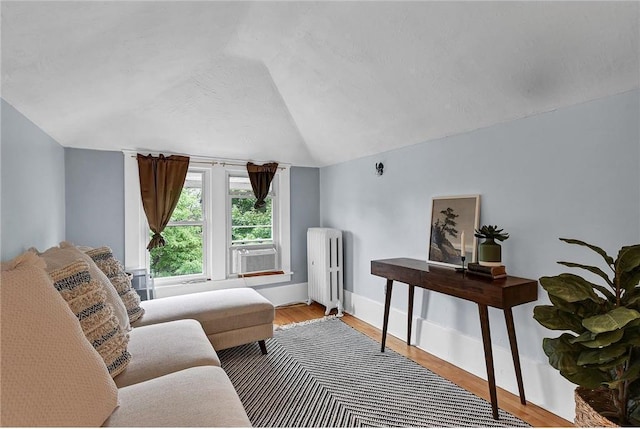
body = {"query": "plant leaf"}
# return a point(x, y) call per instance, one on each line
point(562, 354)
point(633, 373)
point(552, 318)
point(601, 356)
point(594, 270)
point(631, 336)
point(630, 280)
point(612, 320)
point(593, 341)
point(606, 292)
point(561, 304)
point(596, 249)
point(590, 378)
point(632, 301)
point(628, 267)
point(613, 365)
point(628, 258)
point(585, 336)
point(582, 309)
point(634, 403)
point(569, 287)
point(634, 417)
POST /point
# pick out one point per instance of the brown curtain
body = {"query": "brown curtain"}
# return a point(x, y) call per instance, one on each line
point(161, 182)
point(261, 177)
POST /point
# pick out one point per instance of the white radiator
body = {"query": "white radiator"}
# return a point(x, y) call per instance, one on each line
point(253, 260)
point(324, 264)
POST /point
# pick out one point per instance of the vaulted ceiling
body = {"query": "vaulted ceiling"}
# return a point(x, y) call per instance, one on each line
point(306, 83)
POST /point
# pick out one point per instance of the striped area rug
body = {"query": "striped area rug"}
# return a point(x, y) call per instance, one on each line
point(327, 374)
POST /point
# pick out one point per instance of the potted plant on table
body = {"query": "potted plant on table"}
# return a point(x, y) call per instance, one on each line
point(601, 351)
point(490, 252)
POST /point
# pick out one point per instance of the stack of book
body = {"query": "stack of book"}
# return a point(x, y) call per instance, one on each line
point(476, 269)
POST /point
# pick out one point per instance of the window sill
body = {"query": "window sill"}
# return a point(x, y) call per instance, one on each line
point(185, 289)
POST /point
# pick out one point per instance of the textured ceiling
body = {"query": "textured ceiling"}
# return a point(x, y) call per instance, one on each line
point(307, 83)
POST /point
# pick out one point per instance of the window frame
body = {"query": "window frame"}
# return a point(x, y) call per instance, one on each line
point(275, 217)
point(273, 196)
point(206, 242)
point(218, 259)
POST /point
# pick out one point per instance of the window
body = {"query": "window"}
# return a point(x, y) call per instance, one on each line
point(199, 253)
point(183, 254)
point(249, 226)
point(251, 234)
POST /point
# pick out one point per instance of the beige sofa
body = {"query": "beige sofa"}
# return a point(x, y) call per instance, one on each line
point(52, 376)
point(175, 379)
point(229, 317)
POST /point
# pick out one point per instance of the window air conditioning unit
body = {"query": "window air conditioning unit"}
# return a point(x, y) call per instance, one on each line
point(247, 261)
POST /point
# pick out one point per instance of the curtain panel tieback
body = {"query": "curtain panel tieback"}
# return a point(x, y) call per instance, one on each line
point(260, 177)
point(161, 182)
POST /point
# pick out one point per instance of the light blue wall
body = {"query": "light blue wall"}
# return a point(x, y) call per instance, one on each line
point(32, 176)
point(305, 214)
point(95, 204)
point(94, 198)
point(573, 172)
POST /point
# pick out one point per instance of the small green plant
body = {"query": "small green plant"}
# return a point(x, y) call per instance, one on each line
point(601, 350)
point(491, 232)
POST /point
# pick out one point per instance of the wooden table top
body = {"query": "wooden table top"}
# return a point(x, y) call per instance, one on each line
point(500, 293)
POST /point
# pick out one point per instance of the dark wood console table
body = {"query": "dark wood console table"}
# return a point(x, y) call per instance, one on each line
point(502, 293)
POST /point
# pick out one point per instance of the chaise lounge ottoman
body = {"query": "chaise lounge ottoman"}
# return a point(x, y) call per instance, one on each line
point(229, 317)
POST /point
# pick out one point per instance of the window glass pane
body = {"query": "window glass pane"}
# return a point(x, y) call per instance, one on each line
point(241, 186)
point(189, 206)
point(250, 226)
point(182, 254)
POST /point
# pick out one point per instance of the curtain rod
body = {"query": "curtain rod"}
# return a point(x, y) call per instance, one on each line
point(222, 163)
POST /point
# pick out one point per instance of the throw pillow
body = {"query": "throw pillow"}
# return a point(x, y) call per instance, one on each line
point(58, 257)
point(104, 259)
point(87, 300)
point(51, 376)
point(64, 244)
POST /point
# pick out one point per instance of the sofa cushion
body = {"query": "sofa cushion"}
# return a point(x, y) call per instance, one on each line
point(87, 300)
point(200, 396)
point(164, 348)
point(51, 375)
point(217, 311)
point(104, 259)
point(58, 257)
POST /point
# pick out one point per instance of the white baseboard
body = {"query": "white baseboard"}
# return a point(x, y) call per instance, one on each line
point(285, 295)
point(543, 385)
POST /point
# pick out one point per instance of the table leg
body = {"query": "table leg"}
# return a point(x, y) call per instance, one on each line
point(488, 356)
point(387, 304)
point(508, 317)
point(412, 289)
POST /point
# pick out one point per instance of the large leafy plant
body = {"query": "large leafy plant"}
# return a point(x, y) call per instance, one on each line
point(601, 349)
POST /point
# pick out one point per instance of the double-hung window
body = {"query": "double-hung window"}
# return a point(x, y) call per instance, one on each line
point(183, 256)
point(251, 233)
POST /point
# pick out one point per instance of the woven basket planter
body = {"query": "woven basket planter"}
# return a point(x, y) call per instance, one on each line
point(586, 415)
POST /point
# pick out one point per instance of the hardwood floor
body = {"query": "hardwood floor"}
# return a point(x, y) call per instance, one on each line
point(530, 413)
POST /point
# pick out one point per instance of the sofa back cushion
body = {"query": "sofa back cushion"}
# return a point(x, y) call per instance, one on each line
point(51, 375)
point(58, 257)
point(87, 300)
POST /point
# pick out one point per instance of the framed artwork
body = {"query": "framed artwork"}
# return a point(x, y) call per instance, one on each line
point(453, 224)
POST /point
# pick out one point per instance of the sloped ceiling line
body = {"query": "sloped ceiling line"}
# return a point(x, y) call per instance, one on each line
point(308, 83)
